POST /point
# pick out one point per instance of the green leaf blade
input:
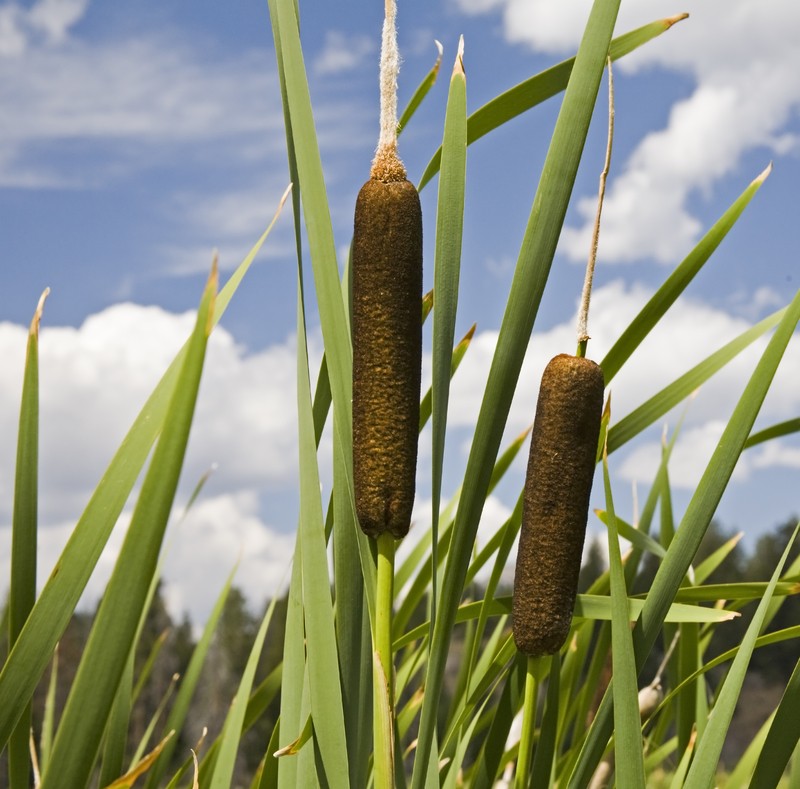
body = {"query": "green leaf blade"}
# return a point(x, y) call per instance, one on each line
point(24, 537)
point(114, 628)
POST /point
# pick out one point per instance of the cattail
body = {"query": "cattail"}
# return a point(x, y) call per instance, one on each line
point(387, 346)
point(556, 504)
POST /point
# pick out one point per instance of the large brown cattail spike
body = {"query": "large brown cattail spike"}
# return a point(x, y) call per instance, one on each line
point(556, 503)
point(387, 350)
point(387, 325)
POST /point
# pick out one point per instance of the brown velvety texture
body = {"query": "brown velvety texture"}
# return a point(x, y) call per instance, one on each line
point(387, 353)
point(556, 504)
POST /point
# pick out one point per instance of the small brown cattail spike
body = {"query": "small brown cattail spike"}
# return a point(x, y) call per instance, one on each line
point(556, 503)
point(387, 351)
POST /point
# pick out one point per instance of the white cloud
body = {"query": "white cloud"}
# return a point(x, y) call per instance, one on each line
point(689, 332)
point(342, 53)
point(219, 533)
point(746, 67)
point(55, 17)
point(12, 38)
point(95, 378)
point(49, 20)
point(231, 222)
point(689, 459)
point(754, 304)
point(130, 98)
point(777, 454)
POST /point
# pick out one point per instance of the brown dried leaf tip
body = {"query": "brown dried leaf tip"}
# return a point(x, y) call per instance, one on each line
point(387, 353)
point(556, 503)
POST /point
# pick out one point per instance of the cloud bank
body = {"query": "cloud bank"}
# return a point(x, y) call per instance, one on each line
point(96, 377)
point(745, 65)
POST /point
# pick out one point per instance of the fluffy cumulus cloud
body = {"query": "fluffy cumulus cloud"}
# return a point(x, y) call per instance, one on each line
point(670, 350)
point(745, 65)
point(95, 378)
point(219, 534)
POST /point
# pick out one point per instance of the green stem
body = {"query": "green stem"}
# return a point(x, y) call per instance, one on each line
point(522, 777)
point(383, 666)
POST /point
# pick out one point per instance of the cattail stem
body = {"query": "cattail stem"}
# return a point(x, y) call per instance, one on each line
point(524, 758)
point(383, 707)
point(583, 313)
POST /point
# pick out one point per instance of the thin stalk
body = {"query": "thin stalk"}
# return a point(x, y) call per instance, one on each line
point(522, 777)
point(384, 666)
point(583, 313)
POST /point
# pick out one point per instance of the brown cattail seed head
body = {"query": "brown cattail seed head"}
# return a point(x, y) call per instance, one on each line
point(387, 353)
point(556, 503)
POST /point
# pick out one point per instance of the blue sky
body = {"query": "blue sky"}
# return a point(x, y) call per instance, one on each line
point(136, 138)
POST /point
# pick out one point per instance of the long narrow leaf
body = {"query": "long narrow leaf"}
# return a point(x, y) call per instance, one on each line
point(321, 652)
point(548, 734)
point(783, 736)
point(48, 722)
point(775, 431)
point(353, 638)
point(116, 734)
point(333, 320)
point(22, 591)
point(421, 92)
point(294, 662)
point(447, 267)
point(627, 724)
point(586, 607)
point(112, 636)
point(152, 723)
point(533, 267)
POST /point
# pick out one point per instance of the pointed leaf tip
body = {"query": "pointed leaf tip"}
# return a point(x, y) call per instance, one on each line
point(458, 67)
point(763, 175)
point(37, 315)
point(211, 290)
point(196, 779)
point(440, 56)
point(673, 20)
point(524, 434)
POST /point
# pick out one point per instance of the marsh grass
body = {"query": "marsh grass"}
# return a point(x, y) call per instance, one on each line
point(450, 729)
